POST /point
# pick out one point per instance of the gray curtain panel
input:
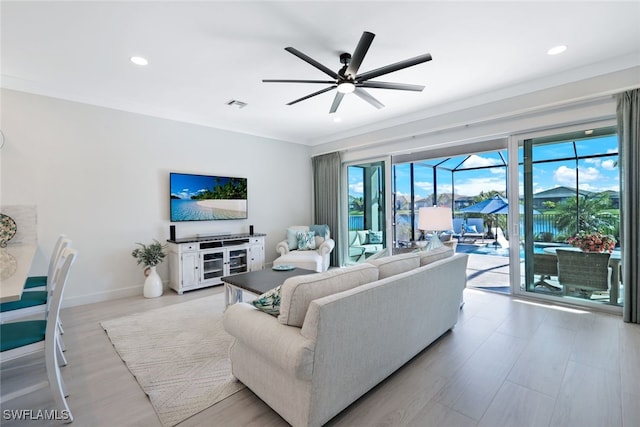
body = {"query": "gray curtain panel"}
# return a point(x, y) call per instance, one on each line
point(628, 112)
point(326, 193)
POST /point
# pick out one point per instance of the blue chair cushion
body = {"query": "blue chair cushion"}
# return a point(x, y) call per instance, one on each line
point(29, 299)
point(19, 334)
point(35, 282)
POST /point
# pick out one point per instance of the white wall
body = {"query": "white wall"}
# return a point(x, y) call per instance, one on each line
point(473, 121)
point(101, 176)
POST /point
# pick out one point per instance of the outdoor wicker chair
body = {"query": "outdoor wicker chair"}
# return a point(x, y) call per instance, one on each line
point(587, 272)
point(546, 265)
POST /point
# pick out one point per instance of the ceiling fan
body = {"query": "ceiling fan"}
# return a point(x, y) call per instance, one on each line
point(347, 79)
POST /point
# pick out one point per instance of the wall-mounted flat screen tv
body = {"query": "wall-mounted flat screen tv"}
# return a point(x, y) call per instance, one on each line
point(207, 197)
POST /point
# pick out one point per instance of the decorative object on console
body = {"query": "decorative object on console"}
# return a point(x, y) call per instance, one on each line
point(8, 229)
point(207, 198)
point(434, 219)
point(150, 255)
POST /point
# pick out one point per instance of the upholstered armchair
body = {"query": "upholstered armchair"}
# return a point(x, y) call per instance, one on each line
point(306, 246)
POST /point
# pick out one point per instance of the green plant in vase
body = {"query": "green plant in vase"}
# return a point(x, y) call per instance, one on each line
point(150, 255)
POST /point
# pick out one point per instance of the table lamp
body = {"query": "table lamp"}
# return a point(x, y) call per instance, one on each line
point(434, 219)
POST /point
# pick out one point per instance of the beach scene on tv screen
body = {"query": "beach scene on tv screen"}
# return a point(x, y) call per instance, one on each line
point(202, 198)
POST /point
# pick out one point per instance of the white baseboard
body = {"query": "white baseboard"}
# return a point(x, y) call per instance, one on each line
point(130, 291)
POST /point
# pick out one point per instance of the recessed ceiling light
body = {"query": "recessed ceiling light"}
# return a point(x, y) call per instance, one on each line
point(139, 60)
point(337, 119)
point(556, 50)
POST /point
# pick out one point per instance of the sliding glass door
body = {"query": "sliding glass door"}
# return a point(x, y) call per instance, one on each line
point(570, 227)
point(367, 222)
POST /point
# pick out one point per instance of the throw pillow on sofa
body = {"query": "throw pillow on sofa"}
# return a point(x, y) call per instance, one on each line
point(292, 238)
point(375, 237)
point(269, 302)
point(320, 230)
point(306, 240)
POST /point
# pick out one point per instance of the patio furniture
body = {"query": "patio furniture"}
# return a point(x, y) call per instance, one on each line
point(473, 230)
point(546, 265)
point(587, 272)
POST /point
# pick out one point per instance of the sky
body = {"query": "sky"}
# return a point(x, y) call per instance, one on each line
point(186, 185)
point(595, 174)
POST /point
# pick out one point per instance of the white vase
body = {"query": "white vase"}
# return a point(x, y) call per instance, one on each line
point(152, 284)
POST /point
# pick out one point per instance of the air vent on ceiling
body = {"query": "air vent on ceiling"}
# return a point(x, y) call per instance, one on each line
point(237, 104)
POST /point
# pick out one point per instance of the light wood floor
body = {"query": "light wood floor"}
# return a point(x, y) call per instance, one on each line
point(508, 362)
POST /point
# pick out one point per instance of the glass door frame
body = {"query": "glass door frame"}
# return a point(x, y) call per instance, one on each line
point(344, 212)
point(516, 141)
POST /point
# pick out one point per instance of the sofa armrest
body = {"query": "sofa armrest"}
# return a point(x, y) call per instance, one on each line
point(280, 344)
point(282, 247)
point(326, 247)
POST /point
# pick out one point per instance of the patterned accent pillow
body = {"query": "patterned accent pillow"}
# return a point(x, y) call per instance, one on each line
point(269, 302)
point(306, 240)
point(375, 237)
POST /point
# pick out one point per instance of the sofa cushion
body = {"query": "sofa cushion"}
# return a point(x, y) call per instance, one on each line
point(395, 264)
point(310, 260)
point(269, 302)
point(306, 240)
point(427, 257)
point(296, 293)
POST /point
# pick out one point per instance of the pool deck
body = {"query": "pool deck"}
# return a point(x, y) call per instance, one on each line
point(488, 271)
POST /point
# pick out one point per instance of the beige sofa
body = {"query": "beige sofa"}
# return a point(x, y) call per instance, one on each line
point(341, 332)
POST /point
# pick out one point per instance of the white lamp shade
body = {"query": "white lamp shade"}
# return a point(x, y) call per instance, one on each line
point(435, 219)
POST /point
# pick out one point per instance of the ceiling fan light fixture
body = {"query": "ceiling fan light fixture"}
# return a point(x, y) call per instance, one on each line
point(346, 87)
point(556, 50)
point(139, 60)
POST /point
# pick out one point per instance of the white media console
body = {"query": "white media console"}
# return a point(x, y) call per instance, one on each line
point(199, 262)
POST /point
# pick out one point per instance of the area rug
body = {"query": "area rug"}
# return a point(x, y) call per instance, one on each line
point(179, 356)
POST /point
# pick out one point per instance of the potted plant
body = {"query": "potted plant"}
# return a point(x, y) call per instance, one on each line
point(593, 241)
point(150, 255)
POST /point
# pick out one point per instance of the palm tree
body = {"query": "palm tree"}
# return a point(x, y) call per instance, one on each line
point(584, 214)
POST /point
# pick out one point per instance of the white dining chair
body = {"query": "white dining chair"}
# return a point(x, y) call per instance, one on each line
point(39, 283)
point(20, 339)
point(35, 301)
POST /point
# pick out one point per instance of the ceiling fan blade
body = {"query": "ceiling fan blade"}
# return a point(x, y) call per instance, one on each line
point(367, 97)
point(297, 81)
point(327, 89)
point(359, 53)
point(313, 62)
point(387, 85)
point(336, 102)
point(393, 67)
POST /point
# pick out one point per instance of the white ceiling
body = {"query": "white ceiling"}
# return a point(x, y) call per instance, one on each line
point(203, 54)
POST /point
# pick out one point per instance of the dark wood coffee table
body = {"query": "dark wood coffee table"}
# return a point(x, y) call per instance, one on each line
point(256, 282)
